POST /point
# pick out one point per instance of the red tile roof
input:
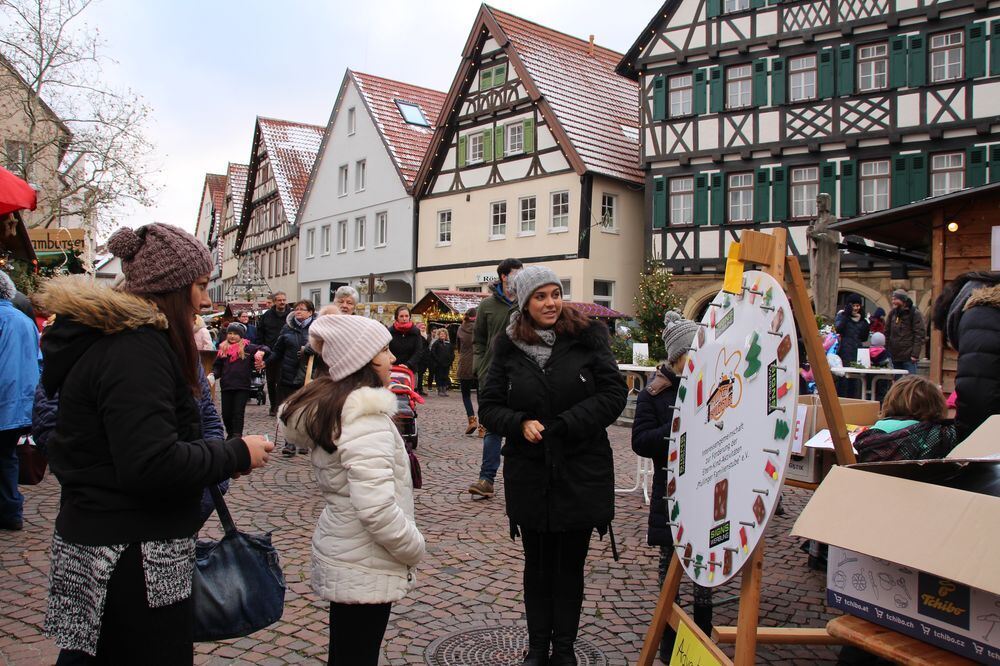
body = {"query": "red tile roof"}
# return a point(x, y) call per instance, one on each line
point(591, 102)
point(292, 149)
point(405, 142)
point(237, 175)
point(216, 184)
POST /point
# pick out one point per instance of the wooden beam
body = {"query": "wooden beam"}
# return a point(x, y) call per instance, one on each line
point(937, 285)
point(801, 484)
point(746, 629)
point(891, 645)
point(662, 613)
point(780, 636)
point(758, 248)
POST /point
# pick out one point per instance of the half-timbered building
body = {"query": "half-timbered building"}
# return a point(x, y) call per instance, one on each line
point(209, 225)
point(232, 213)
point(750, 108)
point(280, 161)
point(356, 217)
point(536, 157)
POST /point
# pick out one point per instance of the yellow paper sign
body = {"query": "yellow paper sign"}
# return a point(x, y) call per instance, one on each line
point(733, 282)
point(688, 650)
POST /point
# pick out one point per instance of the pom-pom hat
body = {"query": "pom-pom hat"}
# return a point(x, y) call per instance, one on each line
point(159, 258)
point(678, 333)
point(348, 343)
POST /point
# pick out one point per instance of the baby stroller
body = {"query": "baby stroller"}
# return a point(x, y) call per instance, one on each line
point(258, 386)
point(402, 382)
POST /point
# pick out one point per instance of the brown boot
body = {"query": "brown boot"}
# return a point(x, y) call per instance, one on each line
point(482, 488)
point(472, 425)
point(481, 432)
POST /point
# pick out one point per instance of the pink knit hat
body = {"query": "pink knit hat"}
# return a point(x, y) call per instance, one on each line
point(159, 258)
point(348, 342)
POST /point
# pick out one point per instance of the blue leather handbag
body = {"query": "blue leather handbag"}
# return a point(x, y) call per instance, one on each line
point(238, 587)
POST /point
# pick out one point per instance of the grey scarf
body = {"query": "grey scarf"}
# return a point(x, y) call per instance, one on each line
point(539, 352)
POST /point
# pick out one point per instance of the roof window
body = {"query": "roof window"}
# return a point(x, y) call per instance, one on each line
point(412, 113)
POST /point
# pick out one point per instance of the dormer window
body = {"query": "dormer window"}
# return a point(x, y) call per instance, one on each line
point(412, 113)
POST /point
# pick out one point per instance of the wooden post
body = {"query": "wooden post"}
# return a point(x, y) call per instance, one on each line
point(937, 286)
point(746, 623)
point(661, 616)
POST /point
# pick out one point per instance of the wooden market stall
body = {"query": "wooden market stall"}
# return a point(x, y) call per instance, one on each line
point(959, 232)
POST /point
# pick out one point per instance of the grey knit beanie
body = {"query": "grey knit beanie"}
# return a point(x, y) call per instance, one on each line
point(347, 343)
point(7, 289)
point(238, 328)
point(159, 258)
point(530, 278)
point(678, 333)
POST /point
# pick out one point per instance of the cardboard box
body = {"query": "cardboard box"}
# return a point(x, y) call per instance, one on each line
point(913, 547)
point(983, 443)
point(812, 465)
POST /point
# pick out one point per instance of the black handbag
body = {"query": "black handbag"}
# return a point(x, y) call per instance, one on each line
point(238, 586)
point(31, 462)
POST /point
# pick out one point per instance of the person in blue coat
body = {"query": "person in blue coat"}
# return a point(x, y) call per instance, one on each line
point(19, 358)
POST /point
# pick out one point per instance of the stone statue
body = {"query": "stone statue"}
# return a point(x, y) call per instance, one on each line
point(824, 259)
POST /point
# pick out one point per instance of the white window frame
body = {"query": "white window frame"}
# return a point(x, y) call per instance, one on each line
point(947, 173)
point(360, 232)
point(352, 121)
point(498, 220)
point(804, 183)
point(476, 148)
point(873, 67)
point(876, 185)
point(680, 95)
point(325, 244)
point(381, 228)
point(739, 86)
point(558, 220)
point(310, 243)
point(443, 228)
point(527, 225)
point(681, 201)
point(343, 180)
point(514, 131)
point(607, 301)
point(740, 194)
point(730, 6)
point(566, 287)
point(802, 74)
point(360, 175)
point(341, 236)
point(609, 209)
point(947, 56)
point(316, 296)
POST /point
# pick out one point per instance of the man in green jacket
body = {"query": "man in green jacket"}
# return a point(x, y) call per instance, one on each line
point(493, 315)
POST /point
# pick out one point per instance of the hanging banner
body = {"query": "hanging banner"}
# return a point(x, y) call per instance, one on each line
point(59, 239)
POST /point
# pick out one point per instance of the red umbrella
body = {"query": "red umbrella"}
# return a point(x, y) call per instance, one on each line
point(15, 193)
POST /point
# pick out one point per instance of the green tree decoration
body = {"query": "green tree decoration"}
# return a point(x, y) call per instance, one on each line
point(654, 297)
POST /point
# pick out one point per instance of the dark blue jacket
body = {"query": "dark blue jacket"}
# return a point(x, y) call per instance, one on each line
point(650, 428)
point(293, 337)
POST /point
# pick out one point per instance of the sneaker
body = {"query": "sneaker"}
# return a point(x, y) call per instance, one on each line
point(288, 451)
point(481, 488)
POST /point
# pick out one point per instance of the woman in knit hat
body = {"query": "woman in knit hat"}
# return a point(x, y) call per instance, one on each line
point(129, 453)
point(552, 389)
point(366, 544)
point(652, 423)
point(233, 367)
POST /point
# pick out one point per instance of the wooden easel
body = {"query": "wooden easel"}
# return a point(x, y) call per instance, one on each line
point(770, 252)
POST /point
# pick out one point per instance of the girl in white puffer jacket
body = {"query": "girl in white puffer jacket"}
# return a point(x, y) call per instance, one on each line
point(366, 543)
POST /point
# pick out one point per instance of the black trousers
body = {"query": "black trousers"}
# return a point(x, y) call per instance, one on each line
point(272, 372)
point(356, 633)
point(442, 378)
point(131, 631)
point(234, 405)
point(553, 586)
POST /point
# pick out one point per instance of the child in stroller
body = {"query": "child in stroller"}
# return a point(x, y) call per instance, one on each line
point(258, 386)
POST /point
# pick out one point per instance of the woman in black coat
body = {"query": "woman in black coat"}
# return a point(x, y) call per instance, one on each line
point(407, 344)
point(853, 328)
point(552, 390)
point(290, 347)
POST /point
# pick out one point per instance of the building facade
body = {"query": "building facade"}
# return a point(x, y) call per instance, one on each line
point(536, 158)
point(280, 162)
point(356, 217)
point(208, 226)
point(752, 108)
point(232, 213)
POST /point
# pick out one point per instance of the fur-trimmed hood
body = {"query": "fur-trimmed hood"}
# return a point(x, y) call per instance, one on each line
point(988, 296)
point(361, 402)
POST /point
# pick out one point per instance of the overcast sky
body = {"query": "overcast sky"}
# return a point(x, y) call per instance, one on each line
point(209, 67)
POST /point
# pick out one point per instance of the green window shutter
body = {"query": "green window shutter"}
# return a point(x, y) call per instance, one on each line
point(779, 194)
point(698, 100)
point(848, 188)
point(825, 84)
point(918, 177)
point(778, 81)
point(845, 70)
point(701, 199)
point(717, 102)
point(975, 166)
point(714, 8)
point(975, 50)
point(488, 145)
point(659, 97)
point(485, 79)
point(463, 150)
point(995, 47)
point(917, 61)
point(828, 183)
point(760, 82)
point(498, 142)
point(529, 135)
point(499, 75)
point(756, 4)
point(659, 202)
point(718, 198)
point(900, 180)
point(762, 196)
point(995, 163)
point(897, 62)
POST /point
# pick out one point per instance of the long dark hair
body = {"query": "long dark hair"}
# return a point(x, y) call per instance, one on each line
point(176, 307)
point(322, 402)
point(571, 322)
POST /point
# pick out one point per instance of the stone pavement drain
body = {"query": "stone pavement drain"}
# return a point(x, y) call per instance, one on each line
point(500, 646)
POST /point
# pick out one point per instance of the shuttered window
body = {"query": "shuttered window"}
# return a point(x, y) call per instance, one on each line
point(681, 201)
point(475, 143)
point(875, 187)
point(873, 67)
point(947, 50)
point(802, 78)
point(741, 195)
point(736, 5)
point(515, 138)
point(681, 95)
point(947, 173)
point(739, 86)
point(805, 187)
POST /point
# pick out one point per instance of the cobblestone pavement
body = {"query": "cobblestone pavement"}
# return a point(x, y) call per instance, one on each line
point(469, 579)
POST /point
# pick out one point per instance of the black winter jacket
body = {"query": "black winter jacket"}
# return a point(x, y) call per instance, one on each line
point(236, 375)
point(566, 481)
point(852, 335)
point(288, 349)
point(978, 378)
point(127, 447)
point(442, 355)
point(650, 428)
point(407, 347)
point(904, 333)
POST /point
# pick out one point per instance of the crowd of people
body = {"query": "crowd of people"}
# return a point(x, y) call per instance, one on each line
point(115, 389)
